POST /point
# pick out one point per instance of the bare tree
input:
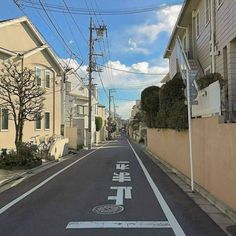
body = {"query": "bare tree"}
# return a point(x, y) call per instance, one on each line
point(21, 96)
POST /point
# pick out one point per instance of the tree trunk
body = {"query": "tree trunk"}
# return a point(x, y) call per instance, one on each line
point(17, 137)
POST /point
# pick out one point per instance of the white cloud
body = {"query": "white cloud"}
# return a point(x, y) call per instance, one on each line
point(132, 46)
point(140, 39)
point(164, 21)
point(124, 108)
point(122, 79)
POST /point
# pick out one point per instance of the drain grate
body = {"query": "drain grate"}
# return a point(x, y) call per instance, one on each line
point(108, 209)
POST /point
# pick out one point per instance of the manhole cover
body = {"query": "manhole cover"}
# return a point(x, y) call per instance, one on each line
point(108, 209)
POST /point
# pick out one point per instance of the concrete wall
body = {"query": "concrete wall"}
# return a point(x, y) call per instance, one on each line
point(71, 134)
point(209, 102)
point(214, 148)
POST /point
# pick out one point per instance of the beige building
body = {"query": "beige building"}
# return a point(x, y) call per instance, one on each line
point(75, 104)
point(20, 39)
point(76, 108)
point(103, 133)
point(207, 34)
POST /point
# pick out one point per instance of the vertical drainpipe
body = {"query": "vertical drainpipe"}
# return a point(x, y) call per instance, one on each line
point(63, 79)
point(213, 36)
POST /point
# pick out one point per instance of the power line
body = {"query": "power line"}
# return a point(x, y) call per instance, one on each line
point(54, 26)
point(66, 48)
point(132, 72)
point(87, 11)
point(77, 26)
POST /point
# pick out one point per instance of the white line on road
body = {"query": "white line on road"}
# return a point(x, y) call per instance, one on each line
point(117, 224)
point(18, 181)
point(12, 203)
point(169, 215)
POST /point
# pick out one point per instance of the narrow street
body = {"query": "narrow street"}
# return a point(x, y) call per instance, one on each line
point(135, 196)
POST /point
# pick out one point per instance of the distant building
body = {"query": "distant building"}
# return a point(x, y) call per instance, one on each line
point(103, 133)
point(135, 109)
point(76, 107)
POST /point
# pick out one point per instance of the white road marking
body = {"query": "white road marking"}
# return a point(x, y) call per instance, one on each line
point(121, 177)
point(117, 224)
point(122, 166)
point(12, 203)
point(123, 162)
point(121, 191)
point(169, 215)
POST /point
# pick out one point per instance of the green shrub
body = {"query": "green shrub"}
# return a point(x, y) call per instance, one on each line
point(98, 122)
point(178, 117)
point(141, 140)
point(206, 80)
point(150, 105)
point(80, 146)
point(28, 156)
point(173, 111)
point(161, 120)
point(164, 107)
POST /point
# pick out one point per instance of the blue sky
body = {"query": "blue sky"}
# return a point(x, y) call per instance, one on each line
point(136, 42)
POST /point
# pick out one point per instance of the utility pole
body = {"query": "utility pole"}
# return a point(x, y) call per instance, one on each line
point(90, 70)
point(99, 31)
point(109, 118)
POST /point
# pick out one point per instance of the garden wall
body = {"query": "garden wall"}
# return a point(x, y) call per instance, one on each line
point(214, 155)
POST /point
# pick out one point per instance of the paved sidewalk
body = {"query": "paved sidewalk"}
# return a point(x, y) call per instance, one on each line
point(7, 176)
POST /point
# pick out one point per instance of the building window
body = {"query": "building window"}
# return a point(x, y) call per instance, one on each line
point(38, 76)
point(38, 122)
point(47, 120)
point(197, 24)
point(82, 110)
point(47, 79)
point(4, 119)
point(207, 11)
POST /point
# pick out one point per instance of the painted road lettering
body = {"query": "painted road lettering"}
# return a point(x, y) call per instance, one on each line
point(121, 166)
point(121, 177)
point(122, 193)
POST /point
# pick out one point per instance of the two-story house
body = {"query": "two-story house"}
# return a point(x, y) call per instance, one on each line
point(205, 32)
point(75, 106)
point(20, 39)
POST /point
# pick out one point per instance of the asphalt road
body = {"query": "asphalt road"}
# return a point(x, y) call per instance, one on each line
point(139, 198)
